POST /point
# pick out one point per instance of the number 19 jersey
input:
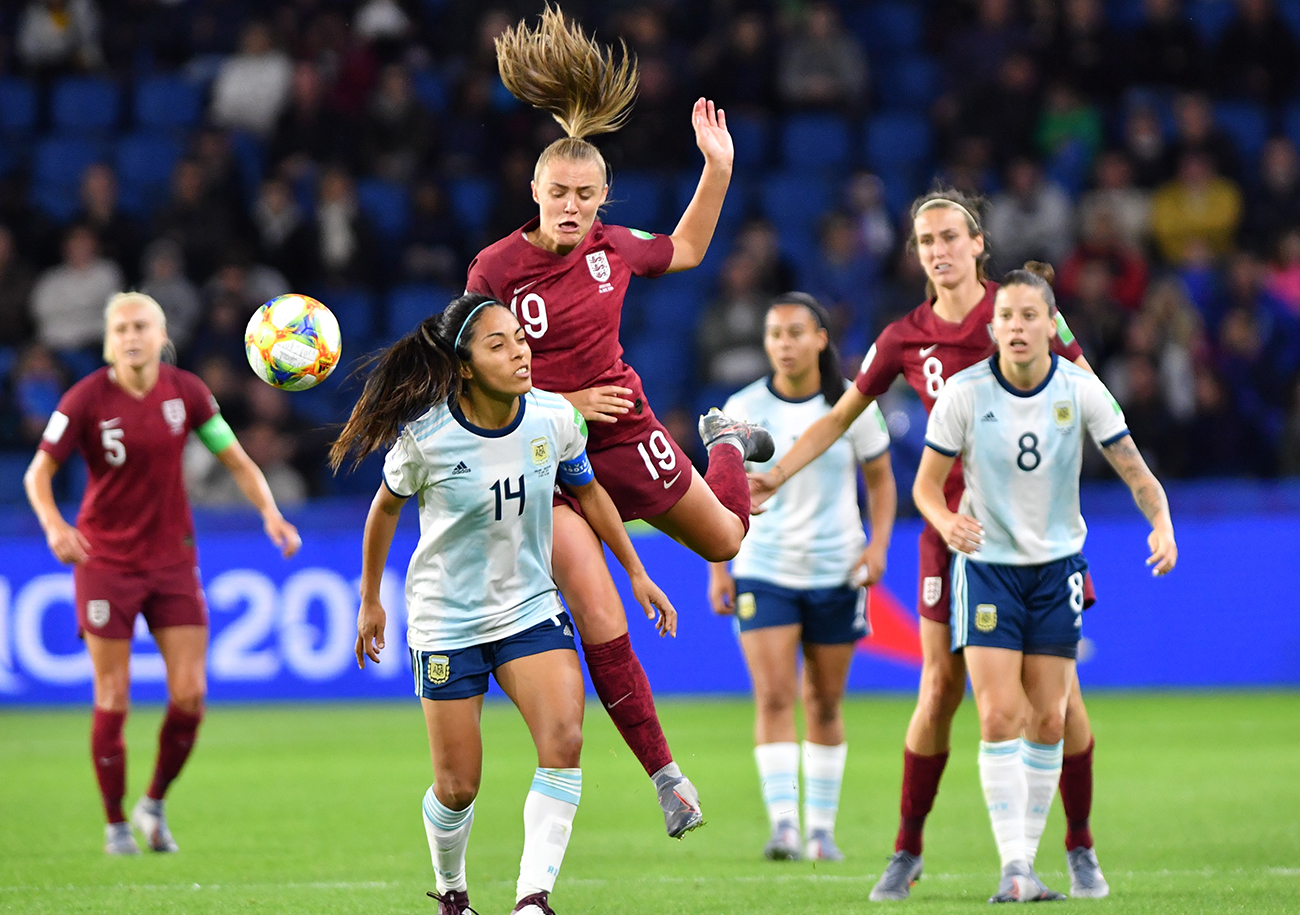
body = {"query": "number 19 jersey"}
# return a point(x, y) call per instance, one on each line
point(482, 568)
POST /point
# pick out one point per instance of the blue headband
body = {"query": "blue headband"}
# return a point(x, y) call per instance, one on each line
point(469, 317)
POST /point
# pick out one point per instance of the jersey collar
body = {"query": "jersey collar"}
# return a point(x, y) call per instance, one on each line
point(489, 433)
point(587, 240)
point(1012, 389)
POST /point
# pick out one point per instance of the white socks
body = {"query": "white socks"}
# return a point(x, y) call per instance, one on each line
point(448, 832)
point(1002, 774)
point(548, 822)
point(823, 775)
point(1042, 773)
point(778, 771)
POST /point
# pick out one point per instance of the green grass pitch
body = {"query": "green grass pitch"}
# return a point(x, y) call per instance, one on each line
point(316, 809)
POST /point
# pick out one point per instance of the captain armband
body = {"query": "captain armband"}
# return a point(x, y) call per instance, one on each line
point(576, 472)
point(216, 434)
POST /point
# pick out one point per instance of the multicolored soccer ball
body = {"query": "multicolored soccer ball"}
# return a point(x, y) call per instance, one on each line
point(293, 342)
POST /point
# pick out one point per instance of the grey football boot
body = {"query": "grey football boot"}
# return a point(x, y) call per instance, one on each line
point(679, 801)
point(119, 840)
point(1086, 880)
point(1019, 883)
point(755, 442)
point(149, 818)
point(785, 844)
point(895, 884)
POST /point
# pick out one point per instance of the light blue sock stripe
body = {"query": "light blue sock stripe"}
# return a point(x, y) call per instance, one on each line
point(561, 784)
point(1000, 747)
point(1043, 756)
point(442, 816)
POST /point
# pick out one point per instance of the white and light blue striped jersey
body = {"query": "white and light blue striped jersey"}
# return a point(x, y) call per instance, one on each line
point(811, 534)
point(1021, 452)
point(482, 569)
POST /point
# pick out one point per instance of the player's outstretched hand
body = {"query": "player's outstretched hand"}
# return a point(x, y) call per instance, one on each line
point(370, 631)
point(870, 567)
point(711, 134)
point(283, 534)
point(650, 598)
point(604, 404)
point(762, 486)
point(1164, 552)
point(963, 534)
point(722, 590)
point(68, 544)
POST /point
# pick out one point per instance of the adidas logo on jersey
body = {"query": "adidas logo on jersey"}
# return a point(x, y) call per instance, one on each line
point(988, 417)
point(462, 467)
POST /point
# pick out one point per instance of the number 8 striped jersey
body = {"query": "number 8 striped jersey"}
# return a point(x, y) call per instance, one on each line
point(1021, 453)
point(482, 568)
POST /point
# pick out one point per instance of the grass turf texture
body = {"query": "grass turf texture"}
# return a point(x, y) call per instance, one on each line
point(316, 809)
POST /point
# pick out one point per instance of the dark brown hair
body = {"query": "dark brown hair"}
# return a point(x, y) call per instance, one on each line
point(416, 372)
point(970, 206)
point(833, 384)
point(1037, 274)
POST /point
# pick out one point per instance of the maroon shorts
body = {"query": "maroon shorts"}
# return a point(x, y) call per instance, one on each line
point(109, 599)
point(932, 591)
point(645, 476)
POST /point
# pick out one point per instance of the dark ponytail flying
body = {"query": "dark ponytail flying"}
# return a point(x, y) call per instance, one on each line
point(828, 361)
point(416, 372)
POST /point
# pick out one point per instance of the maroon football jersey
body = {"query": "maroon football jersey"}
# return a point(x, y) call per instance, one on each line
point(571, 306)
point(135, 512)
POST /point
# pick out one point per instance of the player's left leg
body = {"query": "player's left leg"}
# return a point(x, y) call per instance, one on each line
point(1086, 879)
point(547, 688)
point(704, 524)
point(184, 652)
point(111, 662)
point(825, 675)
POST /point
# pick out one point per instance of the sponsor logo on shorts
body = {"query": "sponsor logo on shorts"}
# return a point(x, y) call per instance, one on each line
point(97, 613)
point(986, 617)
point(746, 606)
point(1063, 410)
point(541, 451)
point(174, 412)
point(439, 669)
point(598, 264)
point(932, 589)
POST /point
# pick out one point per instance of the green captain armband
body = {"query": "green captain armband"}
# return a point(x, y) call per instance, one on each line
point(216, 434)
point(1063, 330)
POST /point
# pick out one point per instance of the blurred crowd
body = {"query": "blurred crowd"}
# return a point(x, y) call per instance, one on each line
point(356, 151)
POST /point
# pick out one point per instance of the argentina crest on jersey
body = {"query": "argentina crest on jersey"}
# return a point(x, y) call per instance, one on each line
point(598, 264)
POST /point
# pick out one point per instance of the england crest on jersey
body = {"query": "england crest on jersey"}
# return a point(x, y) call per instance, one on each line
point(174, 412)
point(598, 264)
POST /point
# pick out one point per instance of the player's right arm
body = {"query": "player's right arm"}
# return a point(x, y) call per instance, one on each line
point(67, 543)
point(722, 589)
point(1149, 495)
point(961, 532)
point(381, 525)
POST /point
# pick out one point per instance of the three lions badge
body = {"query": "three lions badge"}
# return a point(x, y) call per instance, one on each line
point(598, 264)
point(932, 590)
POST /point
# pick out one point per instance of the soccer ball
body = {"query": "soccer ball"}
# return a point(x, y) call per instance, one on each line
point(293, 342)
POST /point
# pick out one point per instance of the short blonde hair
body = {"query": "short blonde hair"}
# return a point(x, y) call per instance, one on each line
point(131, 298)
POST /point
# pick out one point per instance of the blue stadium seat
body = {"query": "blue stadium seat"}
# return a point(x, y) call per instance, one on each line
point(12, 468)
point(17, 106)
point(430, 89)
point(472, 200)
point(910, 83)
point(363, 481)
point(819, 141)
point(1125, 15)
point(409, 305)
point(1247, 124)
point(795, 201)
point(145, 163)
point(888, 27)
point(250, 154)
point(671, 308)
point(636, 200)
point(387, 206)
point(734, 208)
point(664, 365)
point(354, 309)
point(1291, 123)
point(1289, 10)
point(751, 136)
point(84, 105)
point(897, 138)
point(57, 165)
point(1210, 17)
point(166, 102)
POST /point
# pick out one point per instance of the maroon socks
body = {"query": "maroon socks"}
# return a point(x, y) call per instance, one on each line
point(175, 740)
point(623, 689)
point(108, 753)
point(1076, 797)
point(921, 776)
point(726, 477)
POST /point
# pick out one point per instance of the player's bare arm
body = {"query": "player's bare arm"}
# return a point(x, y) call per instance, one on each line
point(252, 483)
point(722, 589)
point(1149, 495)
point(598, 508)
point(810, 446)
point(882, 508)
point(603, 404)
point(961, 532)
point(694, 230)
point(67, 543)
point(381, 525)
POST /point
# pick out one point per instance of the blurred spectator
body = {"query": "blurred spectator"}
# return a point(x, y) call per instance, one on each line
point(1163, 350)
point(1004, 112)
point(398, 132)
point(1195, 131)
point(874, 227)
point(307, 133)
point(226, 380)
point(1273, 206)
point(514, 206)
point(249, 284)
point(381, 21)
point(470, 138)
point(68, 300)
point(59, 35)
point(903, 291)
point(758, 241)
point(284, 239)
point(1223, 442)
point(1145, 147)
point(1129, 207)
point(202, 230)
point(1167, 50)
point(1283, 281)
point(209, 483)
point(1197, 205)
point(1100, 241)
point(730, 338)
point(344, 246)
point(16, 280)
point(842, 277)
point(656, 135)
point(741, 77)
point(306, 444)
point(1032, 219)
point(222, 336)
point(435, 247)
point(1085, 52)
point(1257, 54)
point(164, 279)
point(38, 382)
point(974, 55)
point(1095, 318)
point(120, 237)
point(223, 185)
point(1158, 435)
point(252, 87)
point(821, 65)
point(1182, 343)
point(1289, 459)
point(1069, 128)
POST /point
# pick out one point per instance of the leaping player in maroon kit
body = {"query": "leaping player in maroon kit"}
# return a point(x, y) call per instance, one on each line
point(132, 548)
point(564, 274)
point(944, 335)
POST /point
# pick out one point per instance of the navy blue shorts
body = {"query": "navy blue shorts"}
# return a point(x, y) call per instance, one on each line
point(1033, 609)
point(463, 672)
point(828, 616)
